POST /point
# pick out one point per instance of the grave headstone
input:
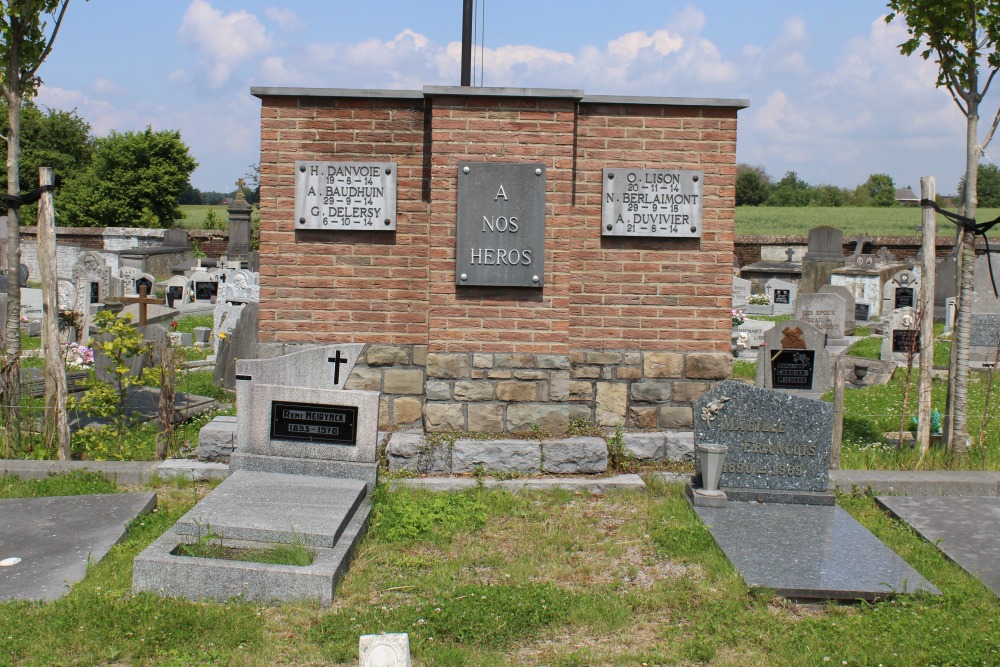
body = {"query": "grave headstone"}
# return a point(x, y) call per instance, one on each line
point(985, 332)
point(903, 291)
point(782, 294)
point(755, 330)
point(741, 292)
point(950, 308)
point(204, 287)
point(826, 253)
point(66, 299)
point(177, 291)
point(386, 650)
point(128, 275)
point(794, 359)
point(850, 310)
point(983, 283)
point(92, 278)
point(779, 445)
point(827, 312)
point(901, 336)
point(147, 280)
point(239, 343)
point(31, 303)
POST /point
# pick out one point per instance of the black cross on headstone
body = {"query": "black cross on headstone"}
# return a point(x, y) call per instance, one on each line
point(338, 360)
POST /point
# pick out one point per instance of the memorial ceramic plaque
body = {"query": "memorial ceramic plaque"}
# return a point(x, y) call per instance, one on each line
point(782, 294)
point(338, 196)
point(501, 225)
point(793, 359)
point(657, 203)
point(776, 441)
point(741, 292)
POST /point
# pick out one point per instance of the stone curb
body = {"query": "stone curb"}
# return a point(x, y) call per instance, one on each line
point(593, 486)
point(910, 483)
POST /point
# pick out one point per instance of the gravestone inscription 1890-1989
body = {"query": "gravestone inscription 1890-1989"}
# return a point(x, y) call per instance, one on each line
point(652, 202)
point(776, 441)
point(338, 196)
point(314, 423)
point(501, 225)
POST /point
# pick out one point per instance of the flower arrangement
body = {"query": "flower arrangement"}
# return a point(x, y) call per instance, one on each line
point(759, 300)
point(738, 317)
point(78, 356)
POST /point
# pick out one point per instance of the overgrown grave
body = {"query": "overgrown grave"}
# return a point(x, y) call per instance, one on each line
point(302, 473)
point(780, 526)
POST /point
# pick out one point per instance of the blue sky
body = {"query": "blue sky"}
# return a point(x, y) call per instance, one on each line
point(830, 96)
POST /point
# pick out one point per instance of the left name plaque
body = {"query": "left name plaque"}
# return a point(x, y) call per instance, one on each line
point(345, 196)
point(330, 424)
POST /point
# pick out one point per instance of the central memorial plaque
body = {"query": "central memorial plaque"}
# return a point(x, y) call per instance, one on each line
point(314, 423)
point(652, 202)
point(345, 196)
point(501, 225)
point(793, 369)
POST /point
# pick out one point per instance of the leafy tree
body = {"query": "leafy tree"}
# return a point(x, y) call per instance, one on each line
point(753, 185)
point(987, 186)
point(134, 180)
point(960, 37)
point(24, 45)
point(191, 196)
point(828, 195)
point(881, 190)
point(790, 191)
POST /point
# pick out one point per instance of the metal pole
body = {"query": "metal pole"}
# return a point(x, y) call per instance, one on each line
point(467, 43)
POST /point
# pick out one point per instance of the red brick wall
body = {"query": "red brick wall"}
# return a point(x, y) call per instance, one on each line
point(638, 294)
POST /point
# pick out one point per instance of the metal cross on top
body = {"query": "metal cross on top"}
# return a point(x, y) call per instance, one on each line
point(143, 300)
point(337, 360)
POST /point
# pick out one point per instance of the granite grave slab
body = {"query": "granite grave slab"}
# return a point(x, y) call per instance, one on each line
point(966, 529)
point(809, 552)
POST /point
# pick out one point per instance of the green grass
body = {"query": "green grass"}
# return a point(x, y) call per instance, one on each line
point(76, 483)
point(744, 369)
point(890, 221)
point(194, 216)
point(279, 554)
point(536, 579)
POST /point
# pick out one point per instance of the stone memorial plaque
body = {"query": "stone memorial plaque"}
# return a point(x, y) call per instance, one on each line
point(741, 292)
point(501, 225)
point(782, 296)
point(793, 369)
point(658, 203)
point(776, 441)
point(904, 297)
point(861, 311)
point(204, 291)
point(345, 196)
point(175, 294)
point(905, 341)
point(95, 292)
point(314, 423)
point(985, 330)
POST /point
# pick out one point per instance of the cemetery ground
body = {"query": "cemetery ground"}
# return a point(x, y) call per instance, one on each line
point(485, 577)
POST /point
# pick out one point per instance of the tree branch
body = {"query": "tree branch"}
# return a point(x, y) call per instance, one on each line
point(989, 135)
point(989, 80)
point(29, 74)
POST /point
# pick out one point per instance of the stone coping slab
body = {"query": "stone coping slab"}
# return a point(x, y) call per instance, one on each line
point(809, 552)
point(965, 529)
point(157, 570)
point(56, 539)
point(919, 483)
point(272, 507)
point(593, 486)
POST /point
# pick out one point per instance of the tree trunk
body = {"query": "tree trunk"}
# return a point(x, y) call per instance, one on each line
point(10, 373)
point(165, 416)
point(55, 420)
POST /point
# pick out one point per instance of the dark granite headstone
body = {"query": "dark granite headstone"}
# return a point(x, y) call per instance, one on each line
point(174, 293)
point(777, 442)
point(905, 341)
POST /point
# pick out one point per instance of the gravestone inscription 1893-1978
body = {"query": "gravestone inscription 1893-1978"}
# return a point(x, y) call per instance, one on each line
point(776, 441)
point(314, 423)
point(500, 240)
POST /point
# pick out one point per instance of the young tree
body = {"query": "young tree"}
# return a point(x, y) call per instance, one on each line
point(960, 37)
point(753, 185)
point(135, 179)
point(24, 45)
point(881, 190)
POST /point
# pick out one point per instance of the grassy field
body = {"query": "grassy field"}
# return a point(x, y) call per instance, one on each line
point(491, 579)
point(891, 221)
point(194, 216)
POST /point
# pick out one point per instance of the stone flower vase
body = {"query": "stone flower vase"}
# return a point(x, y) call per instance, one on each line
point(711, 457)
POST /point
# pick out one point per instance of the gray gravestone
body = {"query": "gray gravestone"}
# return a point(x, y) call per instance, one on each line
point(741, 292)
point(985, 331)
point(794, 359)
point(901, 336)
point(851, 307)
point(755, 330)
point(779, 445)
point(204, 287)
point(177, 291)
point(240, 343)
point(782, 294)
point(826, 312)
point(825, 254)
point(903, 291)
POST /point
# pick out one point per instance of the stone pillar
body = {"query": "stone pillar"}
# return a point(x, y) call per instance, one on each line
point(239, 229)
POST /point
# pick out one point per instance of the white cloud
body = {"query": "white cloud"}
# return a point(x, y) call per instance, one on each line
point(286, 19)
point(223, 41)
point(105, 86)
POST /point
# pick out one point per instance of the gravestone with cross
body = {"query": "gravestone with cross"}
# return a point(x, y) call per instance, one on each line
point(143, 300)
point(303, 470)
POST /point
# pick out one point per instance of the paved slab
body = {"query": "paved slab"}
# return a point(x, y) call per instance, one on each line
point(56, 537)
point(809, 552)
point(967, 530)
point(273, 507)
point(920, 483)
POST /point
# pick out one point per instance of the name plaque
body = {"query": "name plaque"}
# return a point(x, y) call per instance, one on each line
point(905, 340)
point(339, 196)
point(330, 424)
point(793, 369)
point(783, 296)
point(655, 203)
point(500, 240)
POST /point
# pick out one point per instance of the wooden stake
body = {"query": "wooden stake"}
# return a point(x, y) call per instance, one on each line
point(55, 420)
point(838, 413)
point(927, 191)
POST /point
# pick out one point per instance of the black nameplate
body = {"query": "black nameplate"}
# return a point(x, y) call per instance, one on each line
point(330, 424)
point(861, 311)
point(793, 369)
point(904, 297)
point(905, 341)
point(782, 296)
point(206, 290)
point(95, 292)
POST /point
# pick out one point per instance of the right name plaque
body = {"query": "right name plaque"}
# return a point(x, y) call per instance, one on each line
point(659, 203)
